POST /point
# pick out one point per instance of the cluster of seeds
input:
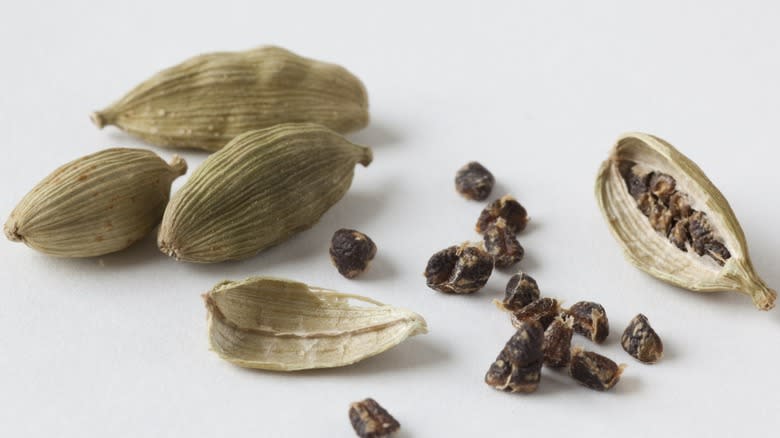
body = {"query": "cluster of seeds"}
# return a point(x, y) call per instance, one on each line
point(529, 310)
point(466, 268)
point(670, 213)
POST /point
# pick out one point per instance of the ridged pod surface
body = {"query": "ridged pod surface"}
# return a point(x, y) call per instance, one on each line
point(260, 189)
point(207, 100)
point(95, 205)
point(284, 325)
point(652, 251)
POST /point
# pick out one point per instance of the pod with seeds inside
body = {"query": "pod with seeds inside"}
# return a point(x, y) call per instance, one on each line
point(95, 205)
point(206, 101)
point(259, 190)
point(673, 223)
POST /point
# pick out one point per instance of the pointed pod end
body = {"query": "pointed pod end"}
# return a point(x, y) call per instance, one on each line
point(98, 119)
point(168, 248)
point(179, 165)
point(12, 231)
point(367, 156)
point(763, 297)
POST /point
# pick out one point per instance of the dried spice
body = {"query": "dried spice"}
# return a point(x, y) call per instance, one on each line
point(641, 341)
point(672, 222)
point(206, 101)
point(501, 243)
point(543, 310)
point(521, 290)
point(95, 205)
point(283, 325)
point(460, 269)
point(370, 420)
point(518, 368)
point(594, 370)
point(259, 190)
point(507, 208)
point(351, 252)
point(557, 342)
point(474, 182)
point(590, 320)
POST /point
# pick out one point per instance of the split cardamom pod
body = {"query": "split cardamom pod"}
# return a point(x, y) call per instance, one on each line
point(260, 189)
point(672, 222)
point(207, 100)
point(95, 205)
point(283, 325)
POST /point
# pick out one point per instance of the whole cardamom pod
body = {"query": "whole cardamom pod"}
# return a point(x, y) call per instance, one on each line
point(95, 205)
point(207, 100)
point(260, 189)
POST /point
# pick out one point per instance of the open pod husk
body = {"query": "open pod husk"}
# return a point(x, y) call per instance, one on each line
point(283, 325)
point(652, 252)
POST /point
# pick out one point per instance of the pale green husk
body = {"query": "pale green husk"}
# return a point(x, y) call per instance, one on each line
point(259, 190)
point(283, 325)
point(207, 100)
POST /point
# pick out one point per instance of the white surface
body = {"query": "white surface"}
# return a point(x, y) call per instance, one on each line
point(537, 92)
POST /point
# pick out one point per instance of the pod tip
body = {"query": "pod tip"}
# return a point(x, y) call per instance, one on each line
point(179, 165)
point(98, 119)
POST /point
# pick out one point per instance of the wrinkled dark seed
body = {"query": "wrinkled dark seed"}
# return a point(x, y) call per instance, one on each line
point(351, 252)
point(521, 290)
point(543, 310)
point(557, 342)
point(594, 370)
point(670, 213)
point(502, 244)
point(474, 181)
point(518, 367)
point(507, 208)
point(370, 420)
point(459, 269)
point(662, 186)
point(590, 320)
point(641, 341)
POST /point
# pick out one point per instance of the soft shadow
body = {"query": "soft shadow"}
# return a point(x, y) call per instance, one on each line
point(555, 381)
point(381, 268)
point(528, 264)
point(376, 134)
point(356, 210)
point(141, 253)
point(410, 355)
point(627, 385)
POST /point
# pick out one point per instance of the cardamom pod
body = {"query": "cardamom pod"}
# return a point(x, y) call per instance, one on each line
point(283, 325)
point(672, 222)
point(95, 205)
point(260, 189)
point(207, 100)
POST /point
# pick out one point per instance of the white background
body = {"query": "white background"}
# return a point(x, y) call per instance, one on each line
point(536, 91)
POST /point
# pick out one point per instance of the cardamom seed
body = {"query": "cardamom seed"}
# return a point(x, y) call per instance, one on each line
point(673, 223)
point(95, 205)
point(260, 189)
point(207, 100)
point(283, 325)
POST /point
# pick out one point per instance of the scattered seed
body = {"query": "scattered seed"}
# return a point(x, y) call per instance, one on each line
point(543, 310)
point(460, 269)
point(474, 182)
point(519, 365)
point(506, 207)
point(501, 243)
point(641, 341)
point(594, 370)
point(351, 252)
point(521, 290)
point(557, 342)
point(590, 320)
point(370, 420)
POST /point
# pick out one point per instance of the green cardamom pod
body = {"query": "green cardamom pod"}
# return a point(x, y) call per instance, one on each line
point(95, 205)
point(260, 189)
point(207, 100)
